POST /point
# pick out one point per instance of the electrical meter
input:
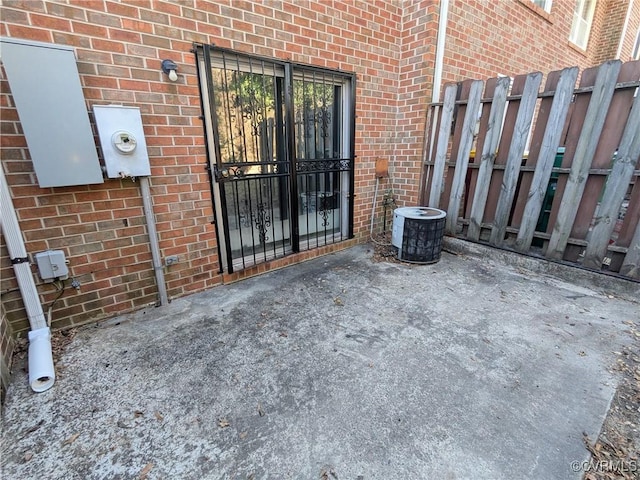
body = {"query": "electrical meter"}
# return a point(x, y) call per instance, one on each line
point(122, 140)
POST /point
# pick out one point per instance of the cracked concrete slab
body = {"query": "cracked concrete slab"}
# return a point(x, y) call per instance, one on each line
point(340, 367)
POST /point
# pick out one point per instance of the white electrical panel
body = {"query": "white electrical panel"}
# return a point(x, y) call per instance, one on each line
point(52, 265)
point(122, 140)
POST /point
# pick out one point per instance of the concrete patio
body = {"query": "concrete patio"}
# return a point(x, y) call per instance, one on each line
point(486, 365)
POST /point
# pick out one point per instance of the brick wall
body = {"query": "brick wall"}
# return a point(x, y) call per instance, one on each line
point(417, 57)
point(485, 39)
point(119, 47)
point(633, 27)
point(607, 47)
point(6, 351)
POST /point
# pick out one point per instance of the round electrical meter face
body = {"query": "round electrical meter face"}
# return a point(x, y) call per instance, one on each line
point(124, 142)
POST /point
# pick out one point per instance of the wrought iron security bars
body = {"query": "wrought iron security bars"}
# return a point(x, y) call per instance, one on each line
point(280, 145)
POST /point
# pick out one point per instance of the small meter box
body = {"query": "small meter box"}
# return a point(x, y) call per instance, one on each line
point(122, 141)
point(52, 265)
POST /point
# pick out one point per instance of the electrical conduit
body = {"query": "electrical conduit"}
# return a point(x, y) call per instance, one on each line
point(41, 372)
point(153, 240)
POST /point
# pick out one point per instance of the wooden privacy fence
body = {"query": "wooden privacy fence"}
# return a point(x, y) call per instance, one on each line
point(551, 173)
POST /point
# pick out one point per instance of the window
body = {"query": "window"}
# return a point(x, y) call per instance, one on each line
point(636, 47)
point(581, 26)
point(544, 4)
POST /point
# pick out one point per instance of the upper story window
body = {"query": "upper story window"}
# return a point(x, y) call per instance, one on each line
point(544, 4)
point(636, 47)
point(581, 26)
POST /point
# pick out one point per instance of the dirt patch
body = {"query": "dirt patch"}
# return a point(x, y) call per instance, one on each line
point(383, 251)
point(60, 339)
point(615, 454)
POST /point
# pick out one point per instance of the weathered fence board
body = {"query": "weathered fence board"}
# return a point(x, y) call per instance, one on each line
point(513, 106)
point(607, 144)
point(593, 123)
point(571, 135)
point(462, 160)
point(531, 157)
point(446, 119)
point(462, 98)
point(578, 204)
point(621, 173)
point(514, 160)
point(631, 215)
point(546, 158)
point(631, 264)
point(488, 157)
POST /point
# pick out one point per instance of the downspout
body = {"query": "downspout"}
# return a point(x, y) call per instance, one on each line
point(41, 372)
point(153, 240)
point(437, 78)
point(442, 33)
point(624, 29)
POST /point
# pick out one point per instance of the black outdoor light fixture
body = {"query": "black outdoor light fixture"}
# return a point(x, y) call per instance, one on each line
point(170, 68)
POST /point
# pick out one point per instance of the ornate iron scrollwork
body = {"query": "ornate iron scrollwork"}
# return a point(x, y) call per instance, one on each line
point(261, 218)
point(323, 165)
point(229, 173)
point(326, 204)
point(253, 112)
point(323, 117)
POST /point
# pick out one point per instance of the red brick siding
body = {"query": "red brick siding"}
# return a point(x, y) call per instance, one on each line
point(6, 351)
point(609, 38)
point(389, 44)
point(417, 59)
point(512, 37)
point(119, 47)
point(631, 34)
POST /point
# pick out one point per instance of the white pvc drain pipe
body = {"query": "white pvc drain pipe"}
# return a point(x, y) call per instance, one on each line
point(41, 372)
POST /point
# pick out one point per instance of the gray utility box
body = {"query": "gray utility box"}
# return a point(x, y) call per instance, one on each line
point(46, 89)
point(52, 265)
point(124, 147)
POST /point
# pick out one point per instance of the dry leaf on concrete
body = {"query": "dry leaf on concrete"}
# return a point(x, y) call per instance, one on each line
point(145, 471)
point(71, 439)
point(223, 422)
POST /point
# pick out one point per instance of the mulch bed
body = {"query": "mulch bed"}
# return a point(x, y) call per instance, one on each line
point(615, 454)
